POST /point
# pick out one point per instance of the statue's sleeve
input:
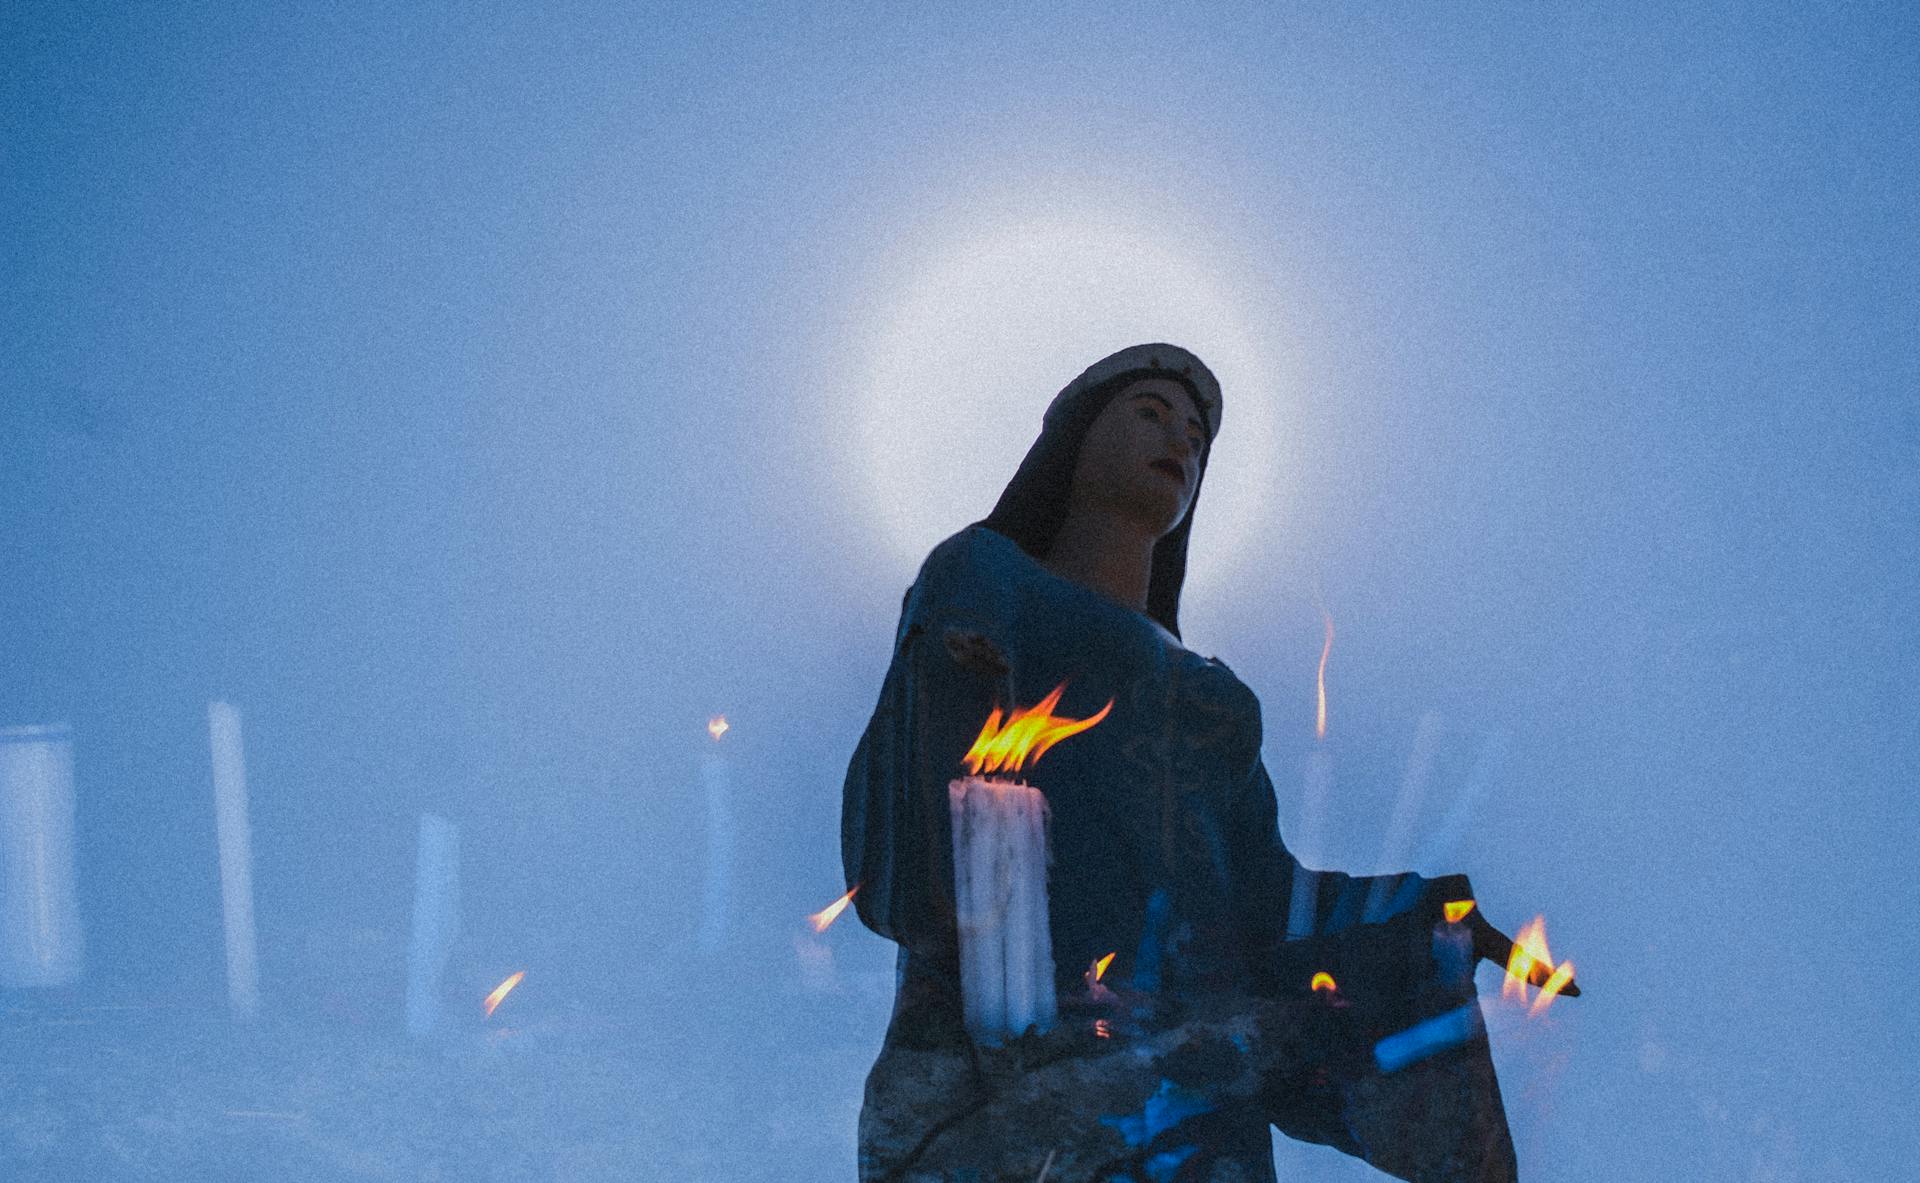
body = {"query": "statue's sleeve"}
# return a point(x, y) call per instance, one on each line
point(895, 832)
point(1425, 1103)
point(1282, 932)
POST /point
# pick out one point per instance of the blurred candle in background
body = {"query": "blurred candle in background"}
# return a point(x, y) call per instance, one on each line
point(717, 778)
point(817, 972)
point(1396, 850)
point(236, 859)
point(40, 937)
point(1317, 792)
point(436, 920)
point(1315, 798)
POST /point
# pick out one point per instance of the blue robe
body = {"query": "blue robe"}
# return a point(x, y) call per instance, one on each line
point(1166, 852)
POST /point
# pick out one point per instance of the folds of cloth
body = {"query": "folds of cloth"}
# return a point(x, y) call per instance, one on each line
point(1149, 1088)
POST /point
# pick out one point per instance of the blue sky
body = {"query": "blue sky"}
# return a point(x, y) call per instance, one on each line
point(473, 397)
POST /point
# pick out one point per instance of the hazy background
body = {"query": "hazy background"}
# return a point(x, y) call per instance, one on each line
point(481, 400)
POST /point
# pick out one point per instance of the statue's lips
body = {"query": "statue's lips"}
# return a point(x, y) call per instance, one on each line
point(1172, 469)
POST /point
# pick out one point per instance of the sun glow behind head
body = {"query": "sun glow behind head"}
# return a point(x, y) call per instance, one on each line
point(978, 324)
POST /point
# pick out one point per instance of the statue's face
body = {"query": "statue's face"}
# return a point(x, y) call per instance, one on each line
point(1141, 457)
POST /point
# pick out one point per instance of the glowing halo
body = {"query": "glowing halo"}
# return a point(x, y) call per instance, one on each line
point(981, 330)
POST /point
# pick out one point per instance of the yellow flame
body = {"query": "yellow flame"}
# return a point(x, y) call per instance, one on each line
point(1457, 910)
point(1029, 731)
point(1323, 981)
point(1529, 949)
point(1561, 976)
point(1530, 954)
point(501, 991)
point(827, 915)
point(1100, 966)
point(1320, 721)
point(717, 727)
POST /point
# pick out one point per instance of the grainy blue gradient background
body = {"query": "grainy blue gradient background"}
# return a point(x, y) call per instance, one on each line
point(429, 384)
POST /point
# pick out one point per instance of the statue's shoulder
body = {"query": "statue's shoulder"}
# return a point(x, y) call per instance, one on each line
point(972, 576)
point(968, 553)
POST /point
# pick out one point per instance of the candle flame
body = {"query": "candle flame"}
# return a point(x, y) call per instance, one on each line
point(1095, 972)
point(1530, 953)
point(1529, 949)
point(1027, 732)
point(717, 727)
point(1320, 721)
point(1457, 910)
point(1323, 981)
point(502, 990)
point(827, 915)
point(1561, 976)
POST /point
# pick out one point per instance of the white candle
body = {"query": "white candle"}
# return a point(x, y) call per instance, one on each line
point(236, 859)
point(436, 919)
point(717, 779)
point(40, 938)
point(1313, 801)
point(1000, 895)
point(1028, 934)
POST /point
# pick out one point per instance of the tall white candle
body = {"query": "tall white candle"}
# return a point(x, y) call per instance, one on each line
point(1026, 846)
point(1000, 896)
point(236, 859)
point(716, 778)
point(1314, 802)
point(41, 942)
point(983, 926)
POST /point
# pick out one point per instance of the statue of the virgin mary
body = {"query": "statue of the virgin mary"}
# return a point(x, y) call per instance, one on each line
point(1165, 851)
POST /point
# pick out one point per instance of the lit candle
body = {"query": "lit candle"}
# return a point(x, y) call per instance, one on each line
point(1000, 875)
point(1317, 792)
point(718, 781)
point(40, 937)
point(1000, 894)
point(817, 972)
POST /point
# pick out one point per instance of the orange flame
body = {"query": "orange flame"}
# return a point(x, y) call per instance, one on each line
point(717, 727)
point(1323, 981)
point(1030, 731)
point(1529, 949)
point(1320, 722)
point(1529, 952)
point(1094, 973)
point(1456, 910)
point(827, 915)
point(502, 990)
point(1561, 976)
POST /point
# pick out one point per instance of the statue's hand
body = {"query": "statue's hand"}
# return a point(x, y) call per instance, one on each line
point(975, 652)
point(1497, 947)
point(1489, 942)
